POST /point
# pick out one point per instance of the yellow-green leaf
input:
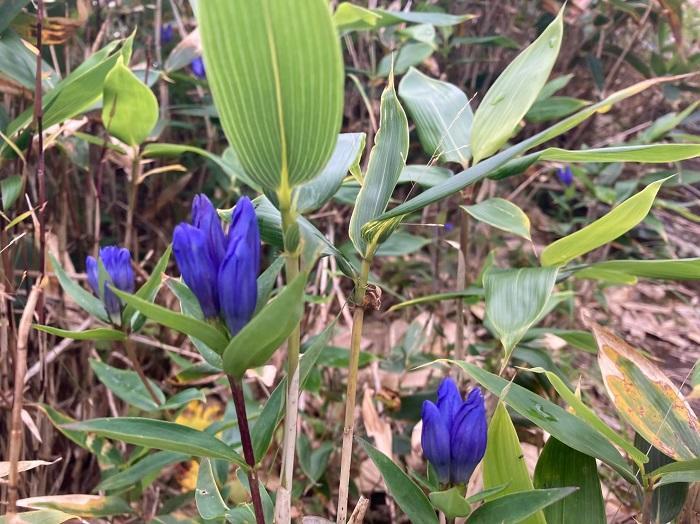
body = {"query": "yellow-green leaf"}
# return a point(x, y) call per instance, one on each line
point(276, 74)
point(130, 109)
point(501, 214)
point(512, 94)
point(606, 229)
point(646, 398)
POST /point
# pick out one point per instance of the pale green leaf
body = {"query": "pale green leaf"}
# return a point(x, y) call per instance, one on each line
point(81, 505)
point(501, 214)
point(88, 334)
point(514, 508)
point(673, 269)
point(210, 503)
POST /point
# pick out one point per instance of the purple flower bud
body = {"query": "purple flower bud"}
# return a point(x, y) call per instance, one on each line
point(221, 270)
point(167, 32)
point(117, 264)
point(565, 175)
point(449, 226)
point(197, 66)
point(454, 433)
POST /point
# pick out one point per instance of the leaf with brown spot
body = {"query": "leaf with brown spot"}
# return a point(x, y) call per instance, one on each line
point(646, 398)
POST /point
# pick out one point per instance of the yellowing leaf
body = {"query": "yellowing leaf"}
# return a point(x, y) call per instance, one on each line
point(646, 398)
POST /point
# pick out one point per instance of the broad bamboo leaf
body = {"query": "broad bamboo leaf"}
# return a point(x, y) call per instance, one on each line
point(386, 161)
point(555, 420)
point(514, 508)
point(351, 17)
point(406, 493)
point(501, 214)
point(606, 229)
point(40, 516)
point(560, 466)
point(127, 385)
point(316, 192)
point(129, 107)
point(512, 94)
point(515, 300)
point(93, 506)
point(673, 269)
point(88, 334)
point(504, 462)
point(442, 115)
point(210, 503)
point(188, 325)
point(491, 165)
point(259, 339)
point(276, 75)
point(159, 434)
point(648, 154)
point(646, 398)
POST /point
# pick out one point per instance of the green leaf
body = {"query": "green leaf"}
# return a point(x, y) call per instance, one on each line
point(80, 505)
point(183, 398)
point(401, 243)
point(131, 476)
point(491, 165)
point(673, 269)
point(648, 154)
point(41, 516)
point(351, 17)
point(515, 90)
point(553, 108)
point(210, 503)
point(504, 462)
point(451, 502)
point(646, 398)
point(11, 188)
point(428, 176)
point(516, 507)
point(313, 194)
point(467, 294)
point(159, 434)
point(149, 289)
point(408, 55)
point(501, 214)
point(266, 281)
point(127, 385)
point(198, 329)
point(386, 161)
point(83, 298)
point(560, 466)
point(129, 107)
point(408, 496)
point(88, 334)
point(9, 10)
point(276, 75)
point(259, 339)
point(564, 426)
point(442, 115)
point(606, 229)
point(589, 416)
point(515, 300)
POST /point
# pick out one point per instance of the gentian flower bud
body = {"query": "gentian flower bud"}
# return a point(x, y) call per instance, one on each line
point(221, 270)
point(454, 433)
point(117, 264)
point(565, 175)
point(166, 33)
point(197, 66)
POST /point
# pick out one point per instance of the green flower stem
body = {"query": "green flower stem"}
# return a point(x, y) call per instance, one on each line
point(349, 425)
point(247, 444)
point(283, 502)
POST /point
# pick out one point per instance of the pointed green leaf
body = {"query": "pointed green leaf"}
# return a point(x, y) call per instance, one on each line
point(515, 90)
point(386, 161)
point(352, 17)
point(504, 462)
point(40, 516)
point(198, 329)
point(451, 502)
point(514, 508)
point(210, 503)
point(149, 289)
point(672, 269)
point(502, 214)
point(84, 299)
point(408, 496)
point(153, 463)
point(648, 154)
point(276, 75)
point(606, 229)
point(159, 434)
point(259, 339)
point(560, 466)
point(129, 107)
point(88, 334)
point(81, 505)
point(127, 385)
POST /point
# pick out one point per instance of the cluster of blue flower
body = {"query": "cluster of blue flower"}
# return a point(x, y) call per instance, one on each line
point(221, 270)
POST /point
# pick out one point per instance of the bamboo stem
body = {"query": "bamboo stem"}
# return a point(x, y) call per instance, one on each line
point(283, 501)
point(247, 443)
point(350, 397)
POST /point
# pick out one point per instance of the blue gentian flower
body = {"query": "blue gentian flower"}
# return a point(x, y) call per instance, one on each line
point(197, 66)
point(167, 32)
point(221, 269)
point(117, 263)
point(565, 175)
point(454, 433)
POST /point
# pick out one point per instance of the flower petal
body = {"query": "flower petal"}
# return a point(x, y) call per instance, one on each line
point(197, 267)
point(449, 400)
point(206, 219)
point(237, 285)
point(435, 440)
point(468, 438)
